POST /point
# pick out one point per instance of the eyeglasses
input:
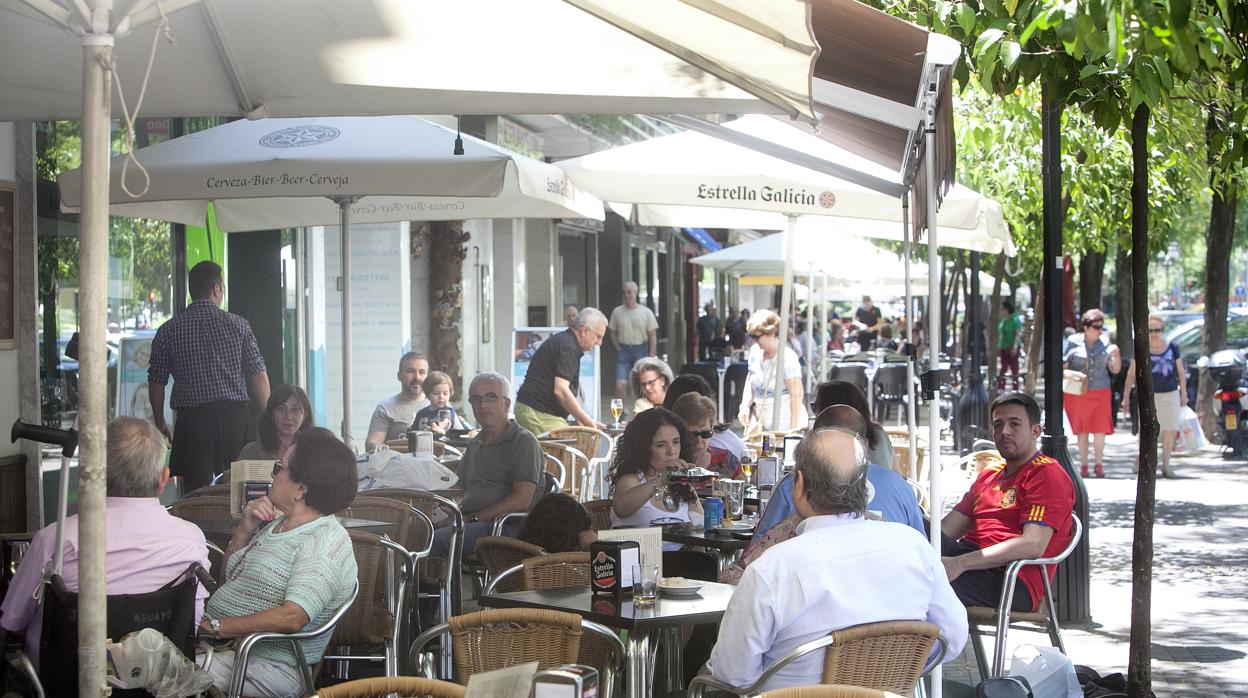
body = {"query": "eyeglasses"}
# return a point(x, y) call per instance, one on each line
point(703, 434)
point(1096, 325)
point(483, 398)
point(278, 467)
point(647, 384)
point(1156, 330)
point(758, 335)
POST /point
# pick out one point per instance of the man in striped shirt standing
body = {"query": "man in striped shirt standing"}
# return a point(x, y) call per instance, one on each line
point(214, 360)
point(1016, 510)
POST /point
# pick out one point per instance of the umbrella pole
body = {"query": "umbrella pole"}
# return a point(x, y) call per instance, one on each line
point(933, 334)
point(810, 329)
point(344, 256)
point(911, 425)
point(92, 407)
point(790, 232)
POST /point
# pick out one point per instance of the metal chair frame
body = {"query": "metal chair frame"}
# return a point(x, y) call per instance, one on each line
point(595, 465)
point(1002, 614)
point(699, 685)
point(397, 600)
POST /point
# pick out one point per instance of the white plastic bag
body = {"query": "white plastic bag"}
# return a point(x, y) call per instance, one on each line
point(1191, 437)
point(147, 659)
point(408, 471)
point(1050, 673)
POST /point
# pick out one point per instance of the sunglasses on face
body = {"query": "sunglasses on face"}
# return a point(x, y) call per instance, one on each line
point(704, 434)
point(1155, 330)
point(1095, 325)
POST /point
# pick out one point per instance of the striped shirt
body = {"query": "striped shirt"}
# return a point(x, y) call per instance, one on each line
point(312, 565)
point(209, 352)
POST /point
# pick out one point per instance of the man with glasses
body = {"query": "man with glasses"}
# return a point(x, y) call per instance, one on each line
point(548, 394)
point(501, 471)
point(842, 569)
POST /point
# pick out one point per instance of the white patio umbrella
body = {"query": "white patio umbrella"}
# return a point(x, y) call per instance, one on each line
point(278, 173)
point(352, 58)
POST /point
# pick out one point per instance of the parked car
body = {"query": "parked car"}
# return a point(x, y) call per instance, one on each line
point(1188, 337)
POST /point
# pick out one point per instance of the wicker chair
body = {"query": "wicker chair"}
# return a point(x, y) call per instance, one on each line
point(1044, 620)
point(222, 490)
point(575, 466)
point(600, 512)
point(498, 553)
point(885, 656)
point(500, 638)
point(827, 691)
point(403, 687)
point(556, 571)
point(590, 442)
point(203, 508)
point(374, 619)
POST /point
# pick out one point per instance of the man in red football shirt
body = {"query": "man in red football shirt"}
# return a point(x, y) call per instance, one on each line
point(1013, 511)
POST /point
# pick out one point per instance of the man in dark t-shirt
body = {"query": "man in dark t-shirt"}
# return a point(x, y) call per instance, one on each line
point(870, 318)
point(548, 394)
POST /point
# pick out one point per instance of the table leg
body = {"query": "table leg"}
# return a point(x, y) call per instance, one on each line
point(720, 395)
point(674, 658)
point(639, 673)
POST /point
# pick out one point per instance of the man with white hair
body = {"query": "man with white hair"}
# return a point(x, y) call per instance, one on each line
point(841, 570)
point(146, 547)
point(548, 394)
point(501, 471)
point(634, 334)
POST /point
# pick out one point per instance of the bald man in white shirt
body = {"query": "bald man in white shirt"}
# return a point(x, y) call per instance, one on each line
point(841, 570)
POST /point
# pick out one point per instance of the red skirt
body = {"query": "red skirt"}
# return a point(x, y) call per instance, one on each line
point(1089, 413)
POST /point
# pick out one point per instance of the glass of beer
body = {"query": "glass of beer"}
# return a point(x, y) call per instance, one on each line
point(617, 409)
point(747, 469)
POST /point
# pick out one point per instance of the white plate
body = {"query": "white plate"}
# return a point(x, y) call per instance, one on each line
point(683, 590)
point(735, 528)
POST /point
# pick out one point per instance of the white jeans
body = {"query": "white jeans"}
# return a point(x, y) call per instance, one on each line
point(264, 679)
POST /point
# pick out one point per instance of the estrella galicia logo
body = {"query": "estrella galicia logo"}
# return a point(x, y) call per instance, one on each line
point(300, 136)
point(827, 199)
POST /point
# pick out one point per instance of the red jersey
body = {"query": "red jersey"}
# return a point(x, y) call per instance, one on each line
point(999, 505)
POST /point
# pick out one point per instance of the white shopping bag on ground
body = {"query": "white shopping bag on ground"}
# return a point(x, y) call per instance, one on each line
point(1049, 672)
point(1191, 437)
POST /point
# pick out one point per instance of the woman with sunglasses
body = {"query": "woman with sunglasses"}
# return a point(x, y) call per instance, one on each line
point(757, 402)
point(1091, 353)
point(1169, 388)
point(289, 566)
point(698, 413)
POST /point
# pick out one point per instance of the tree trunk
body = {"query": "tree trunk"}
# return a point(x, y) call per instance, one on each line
point(994, 316)
point(446, 290)
point(1122, 301)
point(1091, 278)
point(1139, 672)
point(1035, 340)
point(1220, 238)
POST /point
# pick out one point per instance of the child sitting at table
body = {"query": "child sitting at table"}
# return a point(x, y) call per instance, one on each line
point(440, 416)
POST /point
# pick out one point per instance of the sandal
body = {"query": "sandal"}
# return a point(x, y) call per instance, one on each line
point(1083, 471)
point(1100, 471)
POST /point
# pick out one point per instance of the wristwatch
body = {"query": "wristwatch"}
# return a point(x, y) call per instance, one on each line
point(215, 624)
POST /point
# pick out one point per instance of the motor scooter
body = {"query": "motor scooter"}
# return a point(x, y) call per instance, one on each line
point(1226, 370)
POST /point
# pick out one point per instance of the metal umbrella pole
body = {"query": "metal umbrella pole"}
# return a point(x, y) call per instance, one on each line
point(790, 232)
point(810, 329)
point(933, 329)
point(911, 421)
point(97, 49)
point(344, 255)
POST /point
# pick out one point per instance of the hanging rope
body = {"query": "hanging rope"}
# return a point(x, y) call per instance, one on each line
point(128, 118)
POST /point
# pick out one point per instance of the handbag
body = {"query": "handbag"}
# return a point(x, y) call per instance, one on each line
point(1074, 382)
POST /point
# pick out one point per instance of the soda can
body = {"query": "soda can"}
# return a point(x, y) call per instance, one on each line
point(713, 512)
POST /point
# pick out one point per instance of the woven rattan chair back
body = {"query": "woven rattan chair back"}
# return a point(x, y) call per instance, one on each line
point(824, 691)
point(600, 512)
point(563, 454)
point(209, 491)
point(498, 553)
point(402, 686)
point(368, 620)
point(500, 638)
point(588, 439)
point(203, 508)
point(556, 571)
point(886, 656)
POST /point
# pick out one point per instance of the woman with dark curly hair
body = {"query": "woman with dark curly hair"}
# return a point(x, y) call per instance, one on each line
point(559, 524)
point(654, 444)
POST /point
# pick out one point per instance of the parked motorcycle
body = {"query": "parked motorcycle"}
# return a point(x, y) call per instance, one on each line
point(1226, 370)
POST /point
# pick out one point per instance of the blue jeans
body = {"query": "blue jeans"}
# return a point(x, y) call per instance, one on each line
point(472, 531)
point(629, 355)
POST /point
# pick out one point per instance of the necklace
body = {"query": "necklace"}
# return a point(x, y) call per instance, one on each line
point(667, 498)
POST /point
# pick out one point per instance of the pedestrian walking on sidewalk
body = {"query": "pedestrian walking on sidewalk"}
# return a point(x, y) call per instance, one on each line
point(1169, 388)
point(1091, 353)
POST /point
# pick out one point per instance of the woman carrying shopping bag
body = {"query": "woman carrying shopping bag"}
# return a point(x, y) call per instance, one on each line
point(1169, 388)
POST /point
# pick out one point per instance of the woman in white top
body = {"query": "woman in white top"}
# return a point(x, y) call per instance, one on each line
point(757, 403)
point(654, 444)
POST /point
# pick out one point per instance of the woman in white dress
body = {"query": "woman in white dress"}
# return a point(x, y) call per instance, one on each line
point(654, 444)
point(757, 403)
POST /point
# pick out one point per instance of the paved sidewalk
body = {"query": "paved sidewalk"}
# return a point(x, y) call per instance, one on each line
point(1200, 577)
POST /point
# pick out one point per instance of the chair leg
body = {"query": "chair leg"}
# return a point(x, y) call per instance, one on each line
point(981, 659)
point(998, 651)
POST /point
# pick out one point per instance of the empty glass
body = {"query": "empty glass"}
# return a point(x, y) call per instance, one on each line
point(645, 584)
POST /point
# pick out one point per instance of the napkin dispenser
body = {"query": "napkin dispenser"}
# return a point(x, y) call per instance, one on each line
point(567, 681)
point(611, 566)
point(420, 443)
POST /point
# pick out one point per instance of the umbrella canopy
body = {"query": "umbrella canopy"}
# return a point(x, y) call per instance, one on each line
point(279, 173)
point(845, 259)
point(306, 57)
